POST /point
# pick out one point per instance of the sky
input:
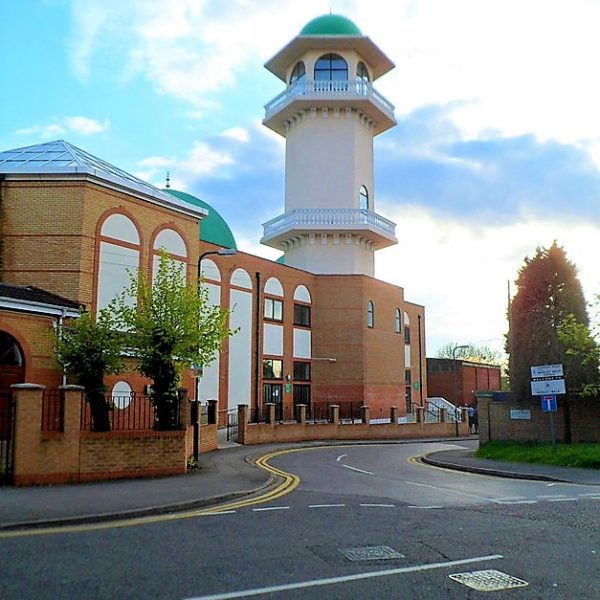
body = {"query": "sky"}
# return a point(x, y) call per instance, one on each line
point(496, 150)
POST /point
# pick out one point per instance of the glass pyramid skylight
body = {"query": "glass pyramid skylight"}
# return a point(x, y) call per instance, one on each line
point(61, 157)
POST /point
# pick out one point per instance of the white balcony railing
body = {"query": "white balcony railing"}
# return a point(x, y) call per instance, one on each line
point(328, 218)
point(325, 90)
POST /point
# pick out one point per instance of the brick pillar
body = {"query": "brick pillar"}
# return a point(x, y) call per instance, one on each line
point(242, 423)
point(483, 414)
point(28, 425)
point(184, 408)
point(270, 406)
point(366, 415)
point(394, 415)
point(212, 412)
point(301, 416)
point(419, 414)
point(334, 413)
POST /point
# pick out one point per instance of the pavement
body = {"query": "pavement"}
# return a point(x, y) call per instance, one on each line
point(223, 475)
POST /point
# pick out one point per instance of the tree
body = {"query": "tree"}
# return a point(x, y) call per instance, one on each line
point(549, 293)
point(171, 326)
point(478, 354)
point(88, 348)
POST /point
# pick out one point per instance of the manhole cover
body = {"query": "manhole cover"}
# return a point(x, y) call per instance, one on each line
point(489, 580)
point(371, 553)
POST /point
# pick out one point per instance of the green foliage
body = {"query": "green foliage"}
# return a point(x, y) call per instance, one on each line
point(567, 455)
point(88, 348)
point(478, 354)
point(171, 326)
point(549, 294)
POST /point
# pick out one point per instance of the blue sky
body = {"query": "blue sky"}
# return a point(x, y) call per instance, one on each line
point(497, 148)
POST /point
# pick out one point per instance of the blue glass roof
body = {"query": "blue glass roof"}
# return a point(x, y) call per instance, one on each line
point(60, 157)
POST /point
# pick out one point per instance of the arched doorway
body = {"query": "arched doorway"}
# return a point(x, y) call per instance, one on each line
point(12, 363)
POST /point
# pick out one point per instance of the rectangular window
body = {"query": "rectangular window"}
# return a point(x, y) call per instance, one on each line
point(407, 335)
point(302, 315)
point(302, 395)
point(272, 368)
point(408, 399)
point(302, 371)
point(407, 377)
point(272, 392)
point(273, 309)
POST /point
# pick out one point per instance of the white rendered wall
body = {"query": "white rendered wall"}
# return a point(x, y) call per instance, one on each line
point(273, 339)
point(331, 258)
point(240, 348)
point(208, 388)
point(328, 158)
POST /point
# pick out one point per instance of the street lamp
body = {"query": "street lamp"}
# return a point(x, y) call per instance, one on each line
point(197, 369)
point(456, 392)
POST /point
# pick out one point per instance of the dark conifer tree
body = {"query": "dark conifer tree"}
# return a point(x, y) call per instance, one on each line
point(548, 292)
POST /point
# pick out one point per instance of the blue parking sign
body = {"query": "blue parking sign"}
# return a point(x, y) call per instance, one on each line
point(548, 403)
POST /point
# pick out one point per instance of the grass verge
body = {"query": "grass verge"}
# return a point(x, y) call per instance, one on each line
point(585, 456)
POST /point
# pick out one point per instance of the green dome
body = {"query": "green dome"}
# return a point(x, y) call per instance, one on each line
point(281, 260)
point(330, 25)
point(213, 227)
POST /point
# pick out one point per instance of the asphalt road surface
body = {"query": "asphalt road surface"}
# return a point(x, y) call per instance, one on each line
point(364, 522)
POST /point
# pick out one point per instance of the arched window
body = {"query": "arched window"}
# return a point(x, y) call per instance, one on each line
point(398, 321)
point(361, 73)
point(370, 314)
point(363, 198)
point(298, 74)
point(331, 67)
point(10, 352)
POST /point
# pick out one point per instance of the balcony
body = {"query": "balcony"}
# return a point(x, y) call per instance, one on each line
point(358, 94)
point(368, 224)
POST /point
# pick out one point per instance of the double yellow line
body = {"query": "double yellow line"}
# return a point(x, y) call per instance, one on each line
point(290, 483)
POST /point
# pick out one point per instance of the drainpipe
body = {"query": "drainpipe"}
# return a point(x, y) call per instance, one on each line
point(420, 362)
point(59, 323)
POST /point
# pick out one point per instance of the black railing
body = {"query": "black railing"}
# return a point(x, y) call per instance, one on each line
point(53, 411)
point(131, 412)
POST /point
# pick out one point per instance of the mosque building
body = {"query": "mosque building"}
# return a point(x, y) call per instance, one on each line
point(314, 327)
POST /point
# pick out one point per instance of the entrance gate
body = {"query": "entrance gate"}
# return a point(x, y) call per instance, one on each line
point(7, 431)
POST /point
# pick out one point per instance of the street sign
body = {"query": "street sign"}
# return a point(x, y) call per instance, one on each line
point(542, 371)
point(544, 387)
point(548, 403)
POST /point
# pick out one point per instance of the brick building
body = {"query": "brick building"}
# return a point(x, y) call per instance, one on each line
point(315, 326)
point(458, 380)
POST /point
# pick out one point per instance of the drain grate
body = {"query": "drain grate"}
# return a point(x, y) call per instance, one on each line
point(371, 553)
point(489, 580)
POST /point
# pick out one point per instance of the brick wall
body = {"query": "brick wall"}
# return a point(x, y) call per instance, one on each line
point(577, 418)
point(75, 455)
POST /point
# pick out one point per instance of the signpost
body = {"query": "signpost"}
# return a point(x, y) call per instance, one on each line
point(546, 382)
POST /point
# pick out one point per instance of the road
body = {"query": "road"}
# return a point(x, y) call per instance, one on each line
point(364, 522)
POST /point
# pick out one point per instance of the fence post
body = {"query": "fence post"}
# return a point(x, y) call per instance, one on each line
point(334, 413)
point(270, 406)
point(365, 414)
point(242, 423)
point(443, 415)
point(394, 415)
point(301, 416)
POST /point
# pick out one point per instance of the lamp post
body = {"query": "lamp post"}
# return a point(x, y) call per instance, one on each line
point(456, 392)
point(197, 369)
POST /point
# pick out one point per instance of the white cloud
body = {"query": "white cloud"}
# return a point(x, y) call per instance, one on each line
point(66, 125)
point(237, 133)
point(461, 272)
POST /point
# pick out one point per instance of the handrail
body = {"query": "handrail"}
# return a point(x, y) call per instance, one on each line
point(329, 89)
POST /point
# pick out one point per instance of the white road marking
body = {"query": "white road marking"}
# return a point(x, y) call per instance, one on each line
point(345, 578)
point(424, 507)
point(515, 501)
point(550, 496)
point(509, 498)
point(590, 494)
point(359, 470)
point(325, 505)
point(380, 505)
point(443, 489)
point(271, 508)
point(562, 500)
point(339, 458)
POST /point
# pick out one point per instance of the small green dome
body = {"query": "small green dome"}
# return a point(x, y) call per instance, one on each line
point(281, 260)
point(330, 25)
point(213, 227)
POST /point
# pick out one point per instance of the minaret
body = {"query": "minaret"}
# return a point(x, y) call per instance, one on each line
point(329, 114)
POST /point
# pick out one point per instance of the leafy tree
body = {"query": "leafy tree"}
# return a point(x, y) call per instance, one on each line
point(478, 354)
point(549, 293)
point(171, 327)
point(88, 348)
